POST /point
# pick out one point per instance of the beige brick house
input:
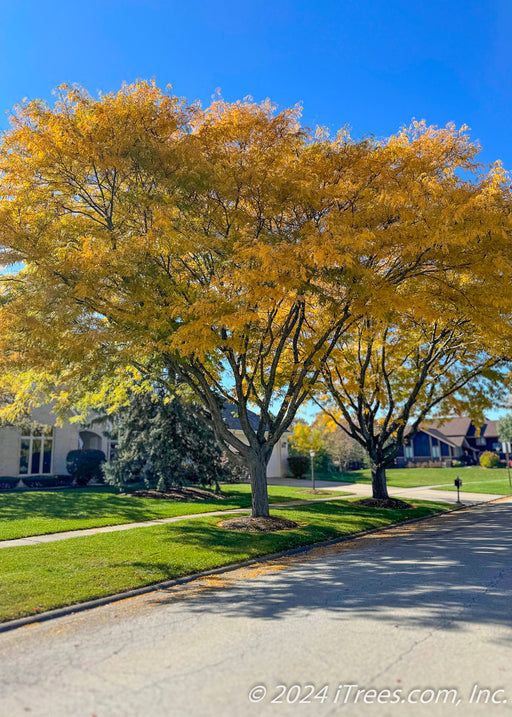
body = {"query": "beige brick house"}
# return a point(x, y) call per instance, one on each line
point(42, 451)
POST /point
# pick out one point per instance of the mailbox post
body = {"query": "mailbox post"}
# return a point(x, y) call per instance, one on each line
point(312, 454)
point(458, 483)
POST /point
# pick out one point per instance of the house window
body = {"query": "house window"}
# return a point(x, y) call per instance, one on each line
point(408, 452)
point(36, 450)
point(436, 452)
point(480, 441)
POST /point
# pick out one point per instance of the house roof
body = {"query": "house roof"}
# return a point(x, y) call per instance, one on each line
point(451, 427)
point(444, 439)
point(463, 427)
point(231, 419)
point(458, 429)
point(437, 433)
point(489, 429)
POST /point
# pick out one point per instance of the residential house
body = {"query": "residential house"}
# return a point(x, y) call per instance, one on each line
point(452, 438)
point(43, 450)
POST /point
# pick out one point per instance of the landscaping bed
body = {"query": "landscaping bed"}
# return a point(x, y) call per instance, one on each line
point(392, 503)
point(248, 524)
point(185, 493)
point(9, 483)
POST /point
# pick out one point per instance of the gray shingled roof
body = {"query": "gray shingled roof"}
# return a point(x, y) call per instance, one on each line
point(231, 419)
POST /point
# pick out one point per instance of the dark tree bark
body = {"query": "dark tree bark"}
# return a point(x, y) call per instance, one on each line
point(379, 486)
point(258, 462)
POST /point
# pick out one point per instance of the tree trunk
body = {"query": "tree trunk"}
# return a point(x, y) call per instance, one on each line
point(379, 487)
point(258, 472)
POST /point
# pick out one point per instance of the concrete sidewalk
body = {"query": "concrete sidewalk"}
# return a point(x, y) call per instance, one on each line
point(66, 535)
point(362, 490)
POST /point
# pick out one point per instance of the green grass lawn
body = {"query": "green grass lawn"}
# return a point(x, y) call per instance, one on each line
point(40, 512)
point(413, 477)
point(45, 576)
point(495, 482)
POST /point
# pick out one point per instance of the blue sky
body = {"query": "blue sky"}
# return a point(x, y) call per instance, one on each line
point(370, 64)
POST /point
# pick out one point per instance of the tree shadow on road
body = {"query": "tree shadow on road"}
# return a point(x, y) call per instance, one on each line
point(454, 571)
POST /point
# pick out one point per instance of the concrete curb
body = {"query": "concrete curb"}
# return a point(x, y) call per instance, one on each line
point(155, 587)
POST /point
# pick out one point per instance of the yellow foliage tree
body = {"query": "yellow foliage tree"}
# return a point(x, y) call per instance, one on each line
point(228, 250)
point(306, 438)
point(387, 377)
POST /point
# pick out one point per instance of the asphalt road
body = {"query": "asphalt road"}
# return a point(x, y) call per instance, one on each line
point(404, 613)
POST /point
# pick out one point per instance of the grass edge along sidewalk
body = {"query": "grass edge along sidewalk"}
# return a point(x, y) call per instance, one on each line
point(423, 477)
point(44, 577)
point(27, 514)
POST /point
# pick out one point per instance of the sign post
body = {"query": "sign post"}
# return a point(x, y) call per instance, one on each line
point(505, 446)
point(312, 454)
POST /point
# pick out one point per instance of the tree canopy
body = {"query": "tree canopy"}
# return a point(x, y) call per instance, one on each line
point(228, 249)
point(505, 428)
point(387, 377)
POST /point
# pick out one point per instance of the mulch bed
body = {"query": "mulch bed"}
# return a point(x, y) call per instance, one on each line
point(187, 493)
point(392, 503)
point(258, 525)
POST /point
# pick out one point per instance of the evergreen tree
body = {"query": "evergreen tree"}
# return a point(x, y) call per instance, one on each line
point(167, 444)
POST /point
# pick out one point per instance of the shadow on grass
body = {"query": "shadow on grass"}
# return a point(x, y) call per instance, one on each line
point(89, 504)
point(202, 544)
point(83, 504)
point(203, 538)
point(441, 576)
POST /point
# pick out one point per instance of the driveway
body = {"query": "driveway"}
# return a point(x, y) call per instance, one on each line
point(405, 613)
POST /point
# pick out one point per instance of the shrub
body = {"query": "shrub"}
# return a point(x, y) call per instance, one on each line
point(62, 481)
point(298, 465)
point(488, 459)
point(322, 461)
point(47, 481)
point(85, 464)
point(457, 464)
point(8, 483)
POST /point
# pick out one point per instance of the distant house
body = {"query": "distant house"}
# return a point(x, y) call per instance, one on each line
point(485, 439)
point(453, 438)
point(43, 450)
point(278, 463)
